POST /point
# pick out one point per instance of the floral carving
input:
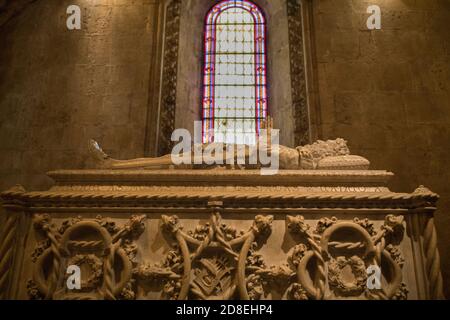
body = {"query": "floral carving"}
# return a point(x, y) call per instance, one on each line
point(128, 291)
point(170, 224)
point(325, 223)
point(297, 254)
point(358, 270)
point(33, 291)
point(396, 254)
point(402, 293)
point(366, 224)
point(262, 225)
point(296, 292)
point(297, 224)
point(41, 246)
point(255, 287)
point(95, 265)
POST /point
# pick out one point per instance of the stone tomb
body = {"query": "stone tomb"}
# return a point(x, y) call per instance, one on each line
point(220, 234)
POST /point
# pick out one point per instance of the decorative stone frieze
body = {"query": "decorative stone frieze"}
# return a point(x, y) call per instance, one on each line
point(220, 234)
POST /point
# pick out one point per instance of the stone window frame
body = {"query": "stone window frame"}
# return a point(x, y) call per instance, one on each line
point(165, 70)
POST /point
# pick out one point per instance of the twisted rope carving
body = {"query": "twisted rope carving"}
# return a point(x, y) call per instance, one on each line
point(320, 279)
point(220, 236)
point(433, 260)
point(85, 244)
point(109, 273)
point(130, 228)
point(391, 226)
point(380, 243)
point(54, 247)
point(297, 225)
point(397, 199)
point(42, 222)
point(6, 252)
point(347, 245)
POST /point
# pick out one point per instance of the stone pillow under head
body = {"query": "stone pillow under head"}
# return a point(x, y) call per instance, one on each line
point(347, 162)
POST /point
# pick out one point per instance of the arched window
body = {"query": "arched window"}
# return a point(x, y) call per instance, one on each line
point(234, 73)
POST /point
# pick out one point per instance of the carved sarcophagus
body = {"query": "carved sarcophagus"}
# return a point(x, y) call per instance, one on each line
point(219, 234)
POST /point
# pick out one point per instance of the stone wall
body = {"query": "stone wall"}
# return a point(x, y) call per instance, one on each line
point(59, 88)
point(385, 91)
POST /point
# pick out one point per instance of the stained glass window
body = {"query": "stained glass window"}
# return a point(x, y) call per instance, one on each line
point(234, 74)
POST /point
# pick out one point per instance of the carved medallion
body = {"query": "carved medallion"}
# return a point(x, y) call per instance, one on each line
point(333, 261)
point(103, 251)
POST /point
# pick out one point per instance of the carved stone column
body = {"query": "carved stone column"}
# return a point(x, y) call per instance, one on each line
point(10, 243)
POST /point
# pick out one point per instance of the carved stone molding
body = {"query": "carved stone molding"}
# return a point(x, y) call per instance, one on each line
point(298, 74)
point(103, 250)
point(169, 77)
point(433, 260)
point(7, 250)
point(9, 228)
point(244, 189)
